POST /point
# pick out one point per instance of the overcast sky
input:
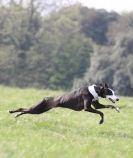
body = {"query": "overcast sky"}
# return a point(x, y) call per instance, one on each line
point(116, 5)
point(110, 5)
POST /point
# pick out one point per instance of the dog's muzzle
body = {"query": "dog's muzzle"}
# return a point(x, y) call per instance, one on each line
point(112, 98)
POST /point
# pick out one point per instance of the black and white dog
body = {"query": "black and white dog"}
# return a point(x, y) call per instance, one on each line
point(85, 98)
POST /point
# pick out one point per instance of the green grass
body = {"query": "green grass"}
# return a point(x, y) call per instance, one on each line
point(62, 133)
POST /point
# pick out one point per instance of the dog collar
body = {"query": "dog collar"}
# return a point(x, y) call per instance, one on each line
point(93, 92)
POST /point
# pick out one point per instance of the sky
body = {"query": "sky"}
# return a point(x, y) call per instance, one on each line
point(110, 5)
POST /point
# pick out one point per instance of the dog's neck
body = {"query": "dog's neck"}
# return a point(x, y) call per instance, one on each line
point(93, 92)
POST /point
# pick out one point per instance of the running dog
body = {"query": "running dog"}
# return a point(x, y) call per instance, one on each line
point(85, 98)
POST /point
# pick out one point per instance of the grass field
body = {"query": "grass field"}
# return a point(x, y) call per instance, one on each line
point(62, 133)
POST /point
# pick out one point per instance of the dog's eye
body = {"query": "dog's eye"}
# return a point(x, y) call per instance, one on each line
point(109, 92)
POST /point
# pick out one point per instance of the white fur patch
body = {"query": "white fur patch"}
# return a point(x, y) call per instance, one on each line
point(113, 96)
point(93, 92)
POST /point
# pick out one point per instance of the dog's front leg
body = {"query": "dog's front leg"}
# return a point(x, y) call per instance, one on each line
point(97, 105)
point(88, 108)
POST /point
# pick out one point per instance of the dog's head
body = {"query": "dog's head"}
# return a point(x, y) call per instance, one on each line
point(106, 92)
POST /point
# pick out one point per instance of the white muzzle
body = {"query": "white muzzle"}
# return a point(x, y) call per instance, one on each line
point(112, 97)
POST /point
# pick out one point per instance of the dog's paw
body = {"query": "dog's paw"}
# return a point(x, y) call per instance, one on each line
point(101, 121)
point(10, 112)
point(117, 109)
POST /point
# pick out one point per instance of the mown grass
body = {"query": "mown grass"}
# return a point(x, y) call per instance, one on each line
point(62, 133)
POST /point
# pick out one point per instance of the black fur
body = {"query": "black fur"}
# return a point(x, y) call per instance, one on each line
point(80, 99)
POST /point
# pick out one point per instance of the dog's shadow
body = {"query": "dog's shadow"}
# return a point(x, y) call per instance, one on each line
point(110, 134)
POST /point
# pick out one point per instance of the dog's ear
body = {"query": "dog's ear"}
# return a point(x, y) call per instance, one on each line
point(102, 89)
point(102, 92)
point(105, 85)
point(101, 85)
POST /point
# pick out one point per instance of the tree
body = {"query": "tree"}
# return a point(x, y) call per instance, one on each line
point(95, 23)
point(66, 49)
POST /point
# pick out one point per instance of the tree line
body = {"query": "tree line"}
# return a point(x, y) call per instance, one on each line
point(68, 47)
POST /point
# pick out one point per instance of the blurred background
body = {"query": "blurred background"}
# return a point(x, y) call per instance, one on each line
point(65, 44)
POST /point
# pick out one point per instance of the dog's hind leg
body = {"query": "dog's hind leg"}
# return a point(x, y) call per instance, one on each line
point(21, 110)
point(20, 114)
point(17, 110)
point(37, 109)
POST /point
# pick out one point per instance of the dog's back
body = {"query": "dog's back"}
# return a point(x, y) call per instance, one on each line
point(71, 99)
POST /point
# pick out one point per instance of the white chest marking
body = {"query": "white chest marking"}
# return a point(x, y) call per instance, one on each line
point(93, 92)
